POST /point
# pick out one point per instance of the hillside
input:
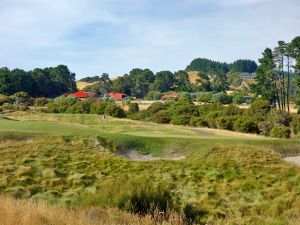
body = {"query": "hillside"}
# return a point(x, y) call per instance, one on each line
point(193, 76)
point(81, 85)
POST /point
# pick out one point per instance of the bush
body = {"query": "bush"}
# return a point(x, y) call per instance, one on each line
point(115, 111)
point(41, 101)
point(7, 106)
point(238, 98)
point(260, 108)
point(280, 132)
point(204, 97)
point(80, 107)
point(222, 98)
point(98, 107)
point(246, 125)
point(22, 107)
point(22, 98)
point(226, 122)
point(155, 107)
point(265, 127)
point(180, 120)
point(154, 95)
point(4, 99)
point(295, 124)
point(277, 117)
point(133, 107)
point(161, 117)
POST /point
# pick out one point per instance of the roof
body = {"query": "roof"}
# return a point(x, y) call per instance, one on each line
point(84, 94)
point(117, 96)
point(170, 95)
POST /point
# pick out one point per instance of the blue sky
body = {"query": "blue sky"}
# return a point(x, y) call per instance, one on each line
point(114, 36)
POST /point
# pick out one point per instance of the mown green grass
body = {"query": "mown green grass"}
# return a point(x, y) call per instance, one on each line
point(235, 180)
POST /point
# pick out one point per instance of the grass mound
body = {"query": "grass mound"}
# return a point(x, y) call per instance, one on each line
point(217, 184)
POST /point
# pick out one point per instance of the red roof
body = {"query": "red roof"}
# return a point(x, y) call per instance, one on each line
point(117, 96)
point(170, 95)
point(83, 94)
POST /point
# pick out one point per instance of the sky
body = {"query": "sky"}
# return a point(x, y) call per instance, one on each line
point(93, 37)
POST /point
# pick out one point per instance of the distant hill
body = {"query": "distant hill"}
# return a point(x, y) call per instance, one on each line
point(206, 65)
point(81, 85)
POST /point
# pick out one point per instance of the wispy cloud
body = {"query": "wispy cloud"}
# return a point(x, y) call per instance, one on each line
point(95, 36)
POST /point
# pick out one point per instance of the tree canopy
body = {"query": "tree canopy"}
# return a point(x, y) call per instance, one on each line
point(207, 65)
point(48, 82)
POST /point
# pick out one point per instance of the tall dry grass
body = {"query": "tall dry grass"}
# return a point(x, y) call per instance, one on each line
point(27, 212)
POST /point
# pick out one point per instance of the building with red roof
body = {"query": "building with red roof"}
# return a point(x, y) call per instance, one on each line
point(84, 94)
point(117, 96)
point(170, 96)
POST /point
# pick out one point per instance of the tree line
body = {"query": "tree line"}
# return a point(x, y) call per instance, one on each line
point(47, 82)
point(207, 65)
point(274, 74)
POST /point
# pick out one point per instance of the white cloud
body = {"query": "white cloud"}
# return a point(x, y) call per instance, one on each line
point(114, 36)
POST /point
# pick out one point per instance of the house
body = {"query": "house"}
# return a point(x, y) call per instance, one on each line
point(84, 94)
point(170, 96)
point(117, 96)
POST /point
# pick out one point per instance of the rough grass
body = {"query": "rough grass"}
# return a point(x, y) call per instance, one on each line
point(244, 185)
point(225, 180)
point(21, 212)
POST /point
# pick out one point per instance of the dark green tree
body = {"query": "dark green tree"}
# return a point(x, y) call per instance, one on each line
point(265, 77)
point(164, 81)
point(182, 82)
point(203, 82)
point(219, 81)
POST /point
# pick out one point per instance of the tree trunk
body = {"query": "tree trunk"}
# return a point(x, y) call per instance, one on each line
point(288, 84)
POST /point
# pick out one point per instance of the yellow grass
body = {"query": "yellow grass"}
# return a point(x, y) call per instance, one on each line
point(26, 212)
point(81, 85)
point(193, 76)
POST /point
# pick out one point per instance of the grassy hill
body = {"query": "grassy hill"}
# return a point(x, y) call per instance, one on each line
point(81, 85)
point(76, 161)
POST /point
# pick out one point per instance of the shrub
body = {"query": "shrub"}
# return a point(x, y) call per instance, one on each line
point(204, 97)
point(41, 101)
point(222, 98)
point(278, 117)
point(185, 108)
point(246, 125)
point(199, 122)
point(280, 132)
point(4, 99)
point(98, 107)
point(80, 107)
point(180, 120)
point(161, 117)
point(22, 98)
point(133, 107)
point(295, 124)
point(61, 104)
point(154, 95)
point(265, 127)
point(155, 107)
point(7, 106)
point(260, 108)
point(115, 111)
point(226, 122)
point(238, 98)
point(22, 107)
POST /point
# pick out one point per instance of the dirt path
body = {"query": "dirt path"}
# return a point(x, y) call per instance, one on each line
point(293, 159)
point(136, 156)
